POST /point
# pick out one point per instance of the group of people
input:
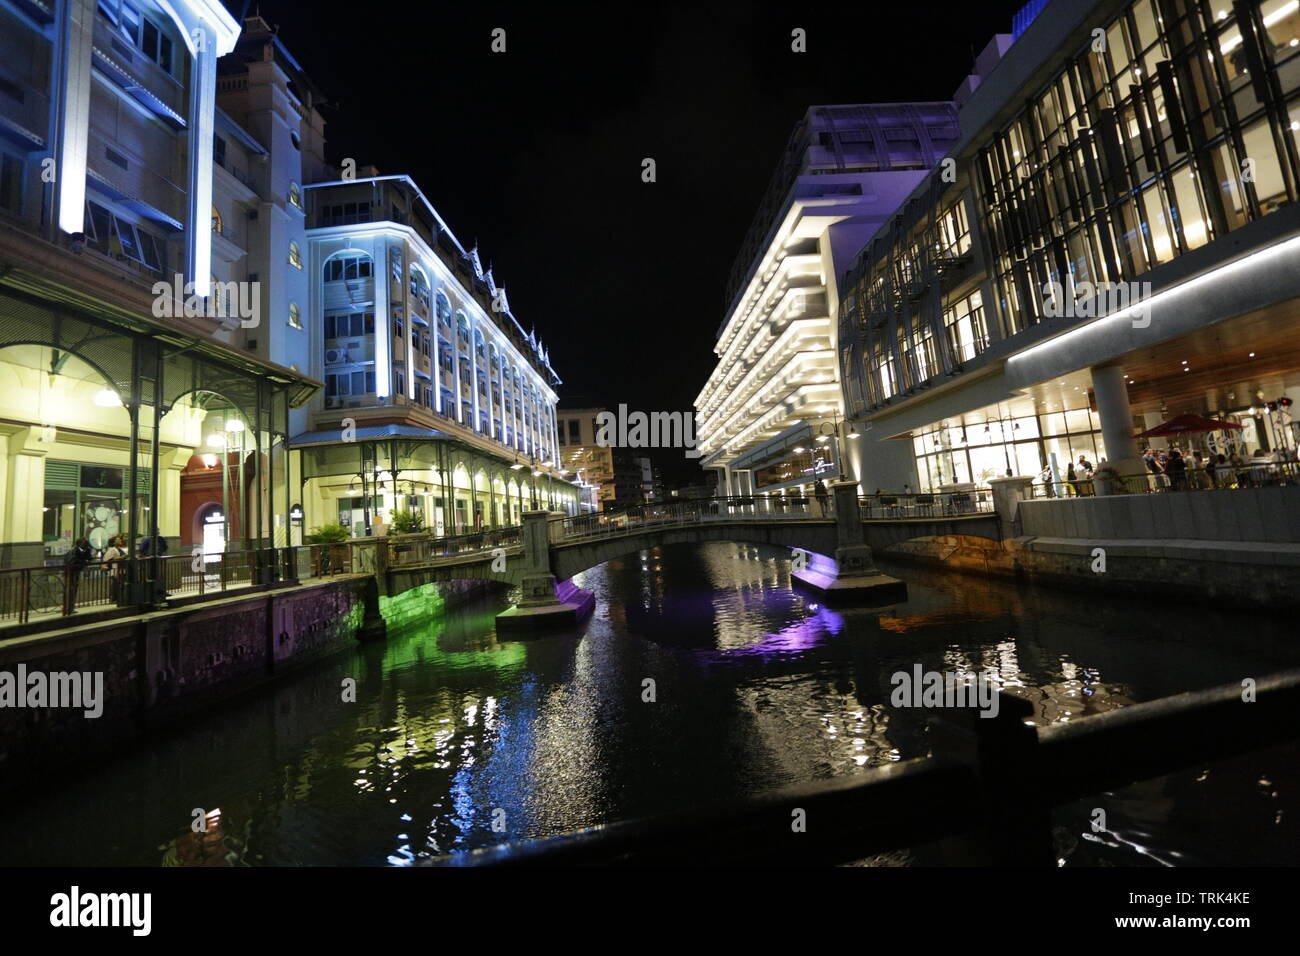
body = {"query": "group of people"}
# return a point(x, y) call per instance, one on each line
point(112, 559)
point(1213, 471)
point(1176, 470)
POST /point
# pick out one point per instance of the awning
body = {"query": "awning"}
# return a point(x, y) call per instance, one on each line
point(20, 136)
point(101, 185)
point(332, 436)
point(129, 85)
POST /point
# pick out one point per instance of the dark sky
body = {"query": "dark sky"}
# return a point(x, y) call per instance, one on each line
point(537, 152)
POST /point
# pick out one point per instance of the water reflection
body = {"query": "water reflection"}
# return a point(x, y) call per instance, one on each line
point(458, 739)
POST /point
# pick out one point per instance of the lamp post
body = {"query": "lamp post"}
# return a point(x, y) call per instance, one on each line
point(833, 436)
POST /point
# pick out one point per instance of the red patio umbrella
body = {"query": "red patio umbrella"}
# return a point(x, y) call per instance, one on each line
point(1188, 424)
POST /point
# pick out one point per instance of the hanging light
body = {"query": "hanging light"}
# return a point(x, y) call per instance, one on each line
point(107, 398)
point(234, 425)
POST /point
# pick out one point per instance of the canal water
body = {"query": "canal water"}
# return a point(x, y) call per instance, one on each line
point(702, 675)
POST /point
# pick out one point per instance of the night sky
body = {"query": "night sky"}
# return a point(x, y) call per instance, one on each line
point(536, 153)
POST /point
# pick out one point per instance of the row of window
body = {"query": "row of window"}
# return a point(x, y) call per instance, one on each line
point(140, 31)
point(1182, 126)
point(122, 239)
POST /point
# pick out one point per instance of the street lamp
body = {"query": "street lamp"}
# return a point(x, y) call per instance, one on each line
point(833, 437)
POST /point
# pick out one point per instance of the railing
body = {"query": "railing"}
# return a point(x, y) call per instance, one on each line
point(409, 549)
point(59, 590)
point(767, 508)
point(944, 504)
point(1252, 473)
point(998, 782)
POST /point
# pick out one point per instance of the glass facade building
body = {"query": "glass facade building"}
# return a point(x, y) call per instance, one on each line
point(1152, 130)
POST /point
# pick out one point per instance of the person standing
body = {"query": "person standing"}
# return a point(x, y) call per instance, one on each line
point(823, 497)
point(1176, 470)
point(114, 559)
point(74, 563)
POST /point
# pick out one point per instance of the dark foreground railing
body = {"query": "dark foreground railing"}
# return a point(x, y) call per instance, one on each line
point(996, 789)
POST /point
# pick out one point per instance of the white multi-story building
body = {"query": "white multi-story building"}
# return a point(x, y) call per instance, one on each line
point(435, 396)
point(770, 417)
point(115, 387)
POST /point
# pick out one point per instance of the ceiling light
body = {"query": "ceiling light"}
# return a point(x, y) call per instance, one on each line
point(107, 398)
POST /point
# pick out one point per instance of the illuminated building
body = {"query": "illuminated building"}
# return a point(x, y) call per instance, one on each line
point(109, 189)
point(1105, 145)
point(436, 399)
point(776, 386)
point(615, 474)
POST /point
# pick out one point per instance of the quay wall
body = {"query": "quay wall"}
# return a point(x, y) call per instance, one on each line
point(165, 665)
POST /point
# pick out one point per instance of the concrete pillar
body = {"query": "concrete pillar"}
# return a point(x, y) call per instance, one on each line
point(538, 581)
point(1007, 495)
point(852, 573)
point(543, 603)
point(1111, 395)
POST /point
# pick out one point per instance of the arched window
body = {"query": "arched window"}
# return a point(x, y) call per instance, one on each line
point(348, 265)
point(442, 305)
point(419, 286)
point(295, 315)
point(295, 255)
point(218, 224)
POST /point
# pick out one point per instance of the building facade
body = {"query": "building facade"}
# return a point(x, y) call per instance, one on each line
point(189, 346)
point(1114, 242)
point(436, 401)
point(613, 475)
point(770, 419)
point(124, 310)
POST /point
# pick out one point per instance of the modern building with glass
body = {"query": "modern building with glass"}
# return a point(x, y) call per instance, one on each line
point(1114, 241)
point(770, 418)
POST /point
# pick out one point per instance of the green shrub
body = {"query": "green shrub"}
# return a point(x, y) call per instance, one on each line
point(330, 533)
point(407, 522)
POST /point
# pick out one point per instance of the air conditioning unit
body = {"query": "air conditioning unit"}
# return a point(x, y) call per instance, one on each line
point(336, 356)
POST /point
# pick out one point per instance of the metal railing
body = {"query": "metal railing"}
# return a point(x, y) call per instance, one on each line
point(411, 549)
point(59, 590)
point(998, 784)
point(926, 505)
point(880, 507)
point(1252, 473)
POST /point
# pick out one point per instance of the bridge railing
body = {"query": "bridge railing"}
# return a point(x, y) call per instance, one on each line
point(409, 549)
point(946, 504)
point(686, 511)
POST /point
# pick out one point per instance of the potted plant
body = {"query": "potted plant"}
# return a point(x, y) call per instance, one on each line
point(331, 558)
point(407, 522)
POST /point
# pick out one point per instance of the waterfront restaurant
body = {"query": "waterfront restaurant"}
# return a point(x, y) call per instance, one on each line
point(1162, 162)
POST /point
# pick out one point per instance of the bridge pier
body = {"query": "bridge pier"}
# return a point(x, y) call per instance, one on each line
point(543, 604)
point(852, 573)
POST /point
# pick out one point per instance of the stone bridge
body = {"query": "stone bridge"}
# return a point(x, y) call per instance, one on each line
point(832, 554)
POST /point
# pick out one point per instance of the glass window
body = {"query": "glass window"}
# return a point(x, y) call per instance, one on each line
point(126, 236)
